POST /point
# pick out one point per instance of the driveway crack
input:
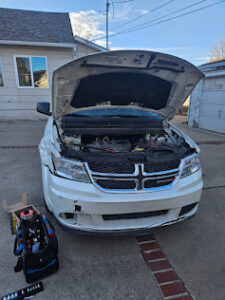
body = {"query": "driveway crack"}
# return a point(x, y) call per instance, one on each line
point(213, 187)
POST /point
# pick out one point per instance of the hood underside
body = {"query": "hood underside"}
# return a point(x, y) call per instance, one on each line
point(145, 80)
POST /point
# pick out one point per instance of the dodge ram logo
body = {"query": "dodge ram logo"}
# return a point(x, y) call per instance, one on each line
point(140, 178)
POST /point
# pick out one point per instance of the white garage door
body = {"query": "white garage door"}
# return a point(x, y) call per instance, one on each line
point(212, 105)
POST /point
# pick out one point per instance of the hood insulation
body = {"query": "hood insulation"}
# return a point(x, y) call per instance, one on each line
point(146, 80)
point(122, 89)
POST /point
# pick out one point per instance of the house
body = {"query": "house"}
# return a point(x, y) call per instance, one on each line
point(85, 47)
point(32, 45)
point(207, 102)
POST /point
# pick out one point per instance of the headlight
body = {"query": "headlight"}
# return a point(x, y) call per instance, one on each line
point(70, 169)
point(191, 165)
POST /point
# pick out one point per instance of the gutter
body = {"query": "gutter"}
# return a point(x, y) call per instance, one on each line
point(89, 43)
point(213, 74)
point(38, 44)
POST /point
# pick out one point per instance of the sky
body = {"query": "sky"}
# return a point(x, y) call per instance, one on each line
point(190, 36)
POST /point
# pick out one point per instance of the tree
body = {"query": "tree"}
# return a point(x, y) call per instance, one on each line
point(218, 51)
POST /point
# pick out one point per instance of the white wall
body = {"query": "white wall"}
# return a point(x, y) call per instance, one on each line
point(193, 109)
point(21, 102)
point(207, 104)
point(83, 50)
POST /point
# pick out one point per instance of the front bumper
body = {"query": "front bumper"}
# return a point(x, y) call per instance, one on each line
point(82, 206)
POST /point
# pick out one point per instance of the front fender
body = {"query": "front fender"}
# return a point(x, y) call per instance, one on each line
point(48, 145)
point(188, 140)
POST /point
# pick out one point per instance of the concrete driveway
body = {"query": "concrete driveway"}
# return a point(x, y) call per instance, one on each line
point(114, 268)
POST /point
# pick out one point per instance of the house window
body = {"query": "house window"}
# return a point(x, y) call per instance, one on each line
point(219, 83)
point(207, 84)
point(31, 71)
point(23, 71)
point(39, 68)
point(1, 75)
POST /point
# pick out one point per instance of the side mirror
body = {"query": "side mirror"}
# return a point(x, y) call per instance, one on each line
point(43, 108)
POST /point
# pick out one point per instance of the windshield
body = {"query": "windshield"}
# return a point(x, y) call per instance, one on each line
point(118, 112)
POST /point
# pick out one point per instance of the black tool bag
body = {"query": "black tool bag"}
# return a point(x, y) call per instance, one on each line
point(44, 261)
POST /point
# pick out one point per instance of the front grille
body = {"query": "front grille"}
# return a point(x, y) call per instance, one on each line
point(116, 184)
point(110, 167)
point(151, 167)
point(146, 214)
point(129, 168)
point(158, 182)
point(131, 177)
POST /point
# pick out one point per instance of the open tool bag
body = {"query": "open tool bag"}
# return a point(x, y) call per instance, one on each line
point(37, 247)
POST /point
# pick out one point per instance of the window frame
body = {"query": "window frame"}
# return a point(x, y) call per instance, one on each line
point(223, 83)
point(208, 79)
point(31, 70)
point(213, 83)
point(2, 74)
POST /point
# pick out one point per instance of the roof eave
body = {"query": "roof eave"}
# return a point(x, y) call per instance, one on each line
point(89, 43)
point(38, 44)
point(214, 73)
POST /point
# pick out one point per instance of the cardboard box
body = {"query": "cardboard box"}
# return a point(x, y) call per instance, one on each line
point(16, 209)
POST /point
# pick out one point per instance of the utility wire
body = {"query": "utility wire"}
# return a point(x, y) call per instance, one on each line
point(107, 24)
point(163, 21)
point(164, 16)
point(143, 15)
point(115, 2)
point(136, 18)
point(112, 7)
point(134, 27)
point(184, 14)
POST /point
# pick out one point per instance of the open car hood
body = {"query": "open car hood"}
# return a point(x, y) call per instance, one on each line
point(147, 80)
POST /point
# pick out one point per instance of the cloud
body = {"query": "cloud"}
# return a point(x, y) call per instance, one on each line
point(125, 12)
point(86, 23)
point(122, 12)
point(144, 11)
point(102, 43)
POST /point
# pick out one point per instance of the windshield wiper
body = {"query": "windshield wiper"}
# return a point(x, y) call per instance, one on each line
point(123, 116)
point(79, 115)
point(106, 116)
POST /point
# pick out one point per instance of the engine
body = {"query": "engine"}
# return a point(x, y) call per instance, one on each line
point(109, 143)
point(117, 144)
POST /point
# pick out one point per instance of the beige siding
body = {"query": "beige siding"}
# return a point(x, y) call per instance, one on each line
point(82, 50)
point(21, 102)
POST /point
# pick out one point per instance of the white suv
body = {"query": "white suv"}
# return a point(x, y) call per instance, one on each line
point(111, 161)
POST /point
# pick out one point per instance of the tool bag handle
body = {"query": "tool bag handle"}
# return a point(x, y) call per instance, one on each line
point(45, 220)
point(18, 249)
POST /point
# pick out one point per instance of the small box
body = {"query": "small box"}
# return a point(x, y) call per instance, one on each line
point(16, 209)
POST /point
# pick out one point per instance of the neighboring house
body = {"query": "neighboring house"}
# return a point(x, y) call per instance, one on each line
point(207, 102)
point(85, 47)
point(32, 45)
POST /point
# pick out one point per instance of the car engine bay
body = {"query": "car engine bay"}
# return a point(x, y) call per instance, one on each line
point(155, 145)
